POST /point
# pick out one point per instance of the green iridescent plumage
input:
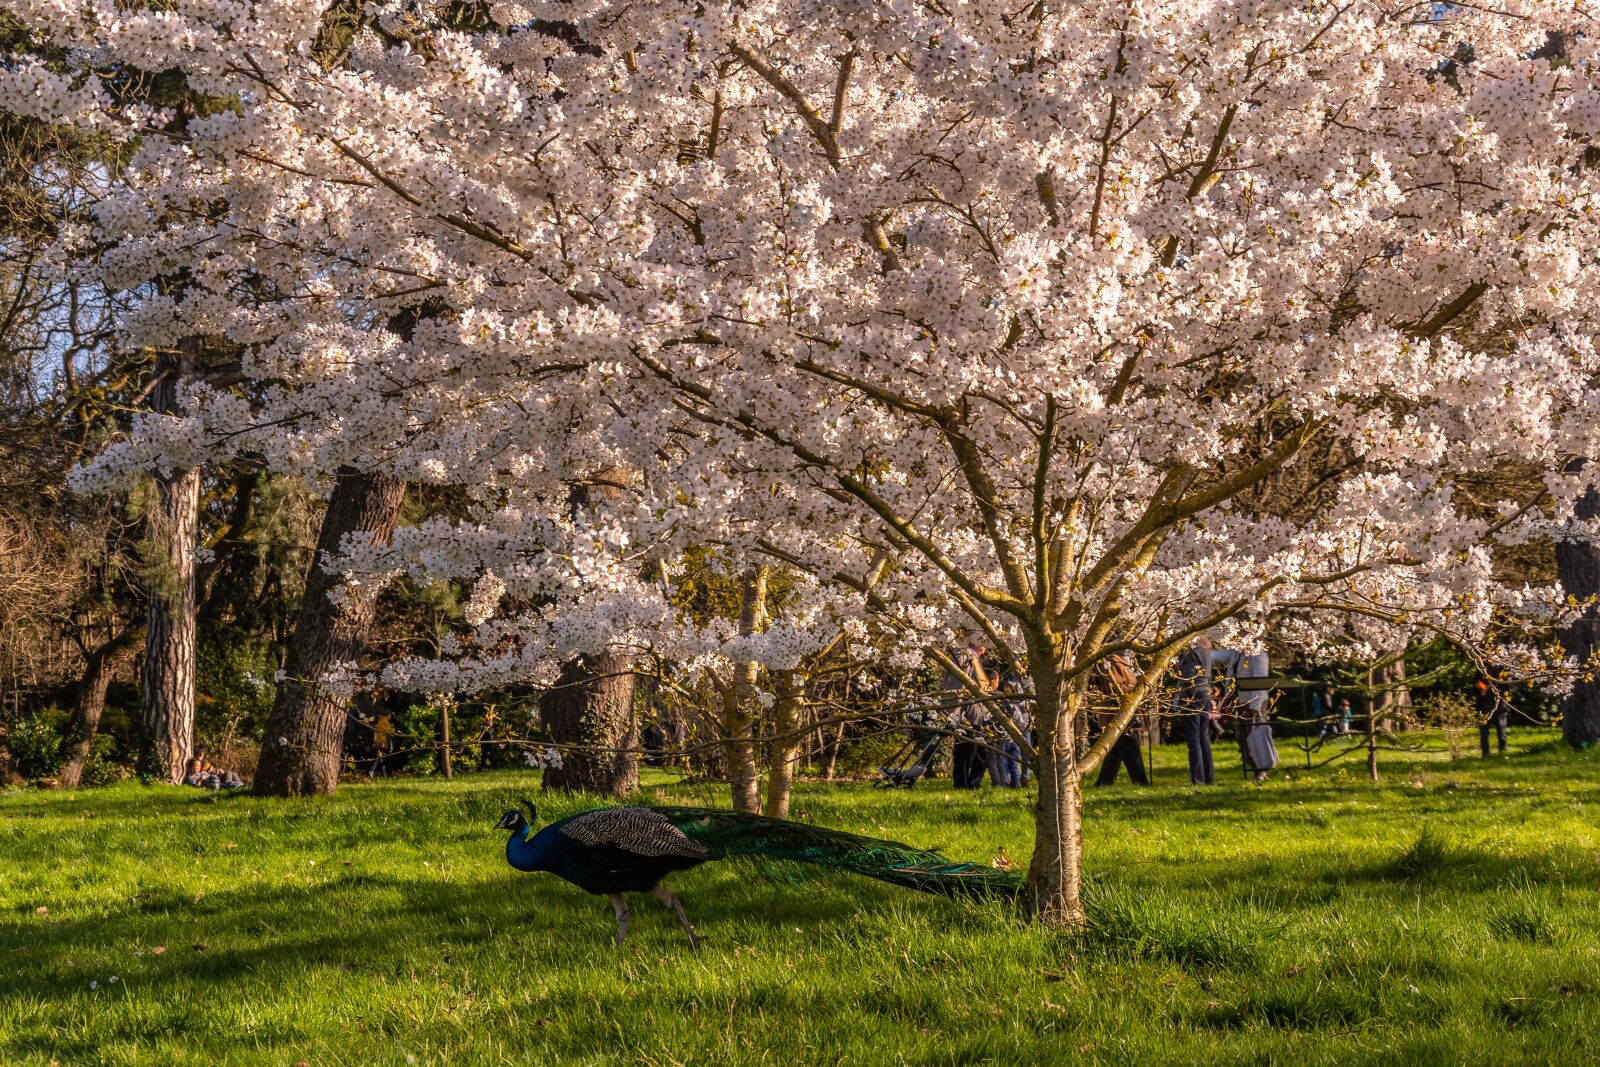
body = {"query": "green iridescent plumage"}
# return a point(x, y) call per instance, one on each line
point(732, 835)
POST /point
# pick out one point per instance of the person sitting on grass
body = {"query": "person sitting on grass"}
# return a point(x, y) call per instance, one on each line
point(203, 774)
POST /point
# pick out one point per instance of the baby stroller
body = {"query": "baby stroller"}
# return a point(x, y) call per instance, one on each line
point(911, 762)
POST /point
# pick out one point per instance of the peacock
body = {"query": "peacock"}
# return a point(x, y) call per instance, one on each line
point(612, 851)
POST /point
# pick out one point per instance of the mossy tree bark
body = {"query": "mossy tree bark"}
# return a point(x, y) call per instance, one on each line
point(590, 713)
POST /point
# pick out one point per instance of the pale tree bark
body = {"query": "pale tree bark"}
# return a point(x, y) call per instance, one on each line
point(171, 532)
point(1398, 689)
point(303, 750)
point(100, 667)
point(739, 698)
point(590, 711)
point(1055, 873)
point(1578, 566)
point(786, 740)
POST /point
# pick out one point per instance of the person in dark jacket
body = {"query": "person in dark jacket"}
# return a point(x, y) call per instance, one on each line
point(1493, 712)
point(1194, 706)
point(1117, 680)
point(967, 762)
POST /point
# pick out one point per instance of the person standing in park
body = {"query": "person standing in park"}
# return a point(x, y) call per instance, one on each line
point(1346, 715)
point(967, 762)
point(1493, 712)
point(1006, 767)
point(1323, 713)
point(382, 736)
point(1116, 680)
point(1193, 704)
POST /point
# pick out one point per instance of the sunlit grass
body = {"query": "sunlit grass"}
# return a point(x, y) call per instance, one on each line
point(1448, 915)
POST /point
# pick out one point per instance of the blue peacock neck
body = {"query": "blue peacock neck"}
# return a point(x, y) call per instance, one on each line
point(525, 851)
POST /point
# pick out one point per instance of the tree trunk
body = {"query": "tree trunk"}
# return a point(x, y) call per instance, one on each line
point(785, 745)
point(591, 708)
point(172, 526)
point(303, 750)
point(1578, 566)
point(444, 740)
point(1372, 730)
point(738, 700)
point(832, 757)
point(1055, 873)
point(101, 667)
point(1396, 693)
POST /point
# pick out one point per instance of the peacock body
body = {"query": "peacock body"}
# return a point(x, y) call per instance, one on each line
point(612, 851)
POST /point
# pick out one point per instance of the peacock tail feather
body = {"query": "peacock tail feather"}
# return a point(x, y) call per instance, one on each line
point(735, 835)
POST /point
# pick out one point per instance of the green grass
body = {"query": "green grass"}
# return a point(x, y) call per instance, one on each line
point(1449, 915)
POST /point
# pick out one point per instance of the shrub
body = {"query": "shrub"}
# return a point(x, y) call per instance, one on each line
point(1454, 716)
point(36, 742)
point(102, 768)
point(864, 755)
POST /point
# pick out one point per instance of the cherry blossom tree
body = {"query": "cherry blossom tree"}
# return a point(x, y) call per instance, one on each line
point(1032, 299)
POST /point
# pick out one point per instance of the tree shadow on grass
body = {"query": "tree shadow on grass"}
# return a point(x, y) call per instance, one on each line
point(237, 943)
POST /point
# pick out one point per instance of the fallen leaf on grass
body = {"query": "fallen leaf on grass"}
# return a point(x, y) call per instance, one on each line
point(158, 950)
point(41, 910)
point(1292, 971)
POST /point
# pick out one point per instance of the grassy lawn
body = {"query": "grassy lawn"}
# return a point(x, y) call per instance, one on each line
point(1299, 922)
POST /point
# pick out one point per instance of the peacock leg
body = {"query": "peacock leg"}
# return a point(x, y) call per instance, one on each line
point(666, 896)
point(620, 906)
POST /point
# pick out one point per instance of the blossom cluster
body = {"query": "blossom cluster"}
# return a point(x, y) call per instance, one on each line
point(1043, 307)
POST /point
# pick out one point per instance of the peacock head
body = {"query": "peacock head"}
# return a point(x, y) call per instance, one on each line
point(515, 820)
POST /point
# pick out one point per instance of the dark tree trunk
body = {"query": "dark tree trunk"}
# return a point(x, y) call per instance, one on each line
point(591, 709)
point(225, 548)
point(100, 668)
point(171, 529)
point(444, 740)
point(1578, 565)
point(832, 758)
point(302, 753)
